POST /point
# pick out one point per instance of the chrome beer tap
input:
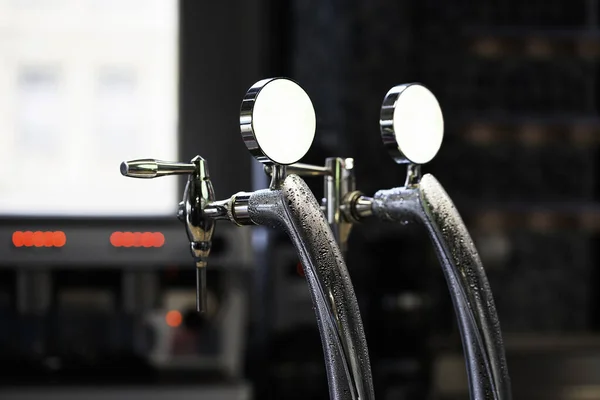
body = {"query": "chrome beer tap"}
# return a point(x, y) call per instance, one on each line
point(277, 123)
point(339, 180)
point(412, 128)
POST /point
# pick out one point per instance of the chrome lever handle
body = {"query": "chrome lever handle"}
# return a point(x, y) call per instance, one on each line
point(148, 168)
point(301, 169)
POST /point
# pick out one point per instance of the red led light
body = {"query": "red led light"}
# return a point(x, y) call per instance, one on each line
point(115, 238)
point(59, 239)
point(299, 269)
point(147, 239)
point(159, 239)
point(174, 318)
point(28, 239)
point(39, 239)
point(48, 242)
point(17, 239)
point(128, 239)
point(137, 239)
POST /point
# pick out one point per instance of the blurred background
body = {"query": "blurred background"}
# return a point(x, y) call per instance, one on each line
point(96, 281)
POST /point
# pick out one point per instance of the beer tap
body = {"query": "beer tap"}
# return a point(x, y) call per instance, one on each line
point(278, 123)
point(412, 129)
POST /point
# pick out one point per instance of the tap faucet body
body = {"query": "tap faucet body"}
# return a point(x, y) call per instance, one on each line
point(429, 204)
point(339, 181)
point(412, 129)
point(198, 194)
point(288, 204)
point(294, 209)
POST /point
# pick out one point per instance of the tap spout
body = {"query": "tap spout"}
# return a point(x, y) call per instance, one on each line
point(294, 209)
point(198, 194)
point(471, 295)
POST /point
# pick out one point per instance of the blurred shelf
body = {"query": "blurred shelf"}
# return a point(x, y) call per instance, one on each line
point(88, 245)
point(530, 342)
point(150, 392)
point(541, 119)
point(536, 217)
point(539, 48)
point(530, 31)
point(532, 131)
point(533, 44)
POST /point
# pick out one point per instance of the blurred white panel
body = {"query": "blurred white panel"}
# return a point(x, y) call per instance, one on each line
point(86, 84)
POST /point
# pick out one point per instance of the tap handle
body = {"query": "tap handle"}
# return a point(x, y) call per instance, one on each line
point(149, 168)
point(198, 194)
point(411, 124)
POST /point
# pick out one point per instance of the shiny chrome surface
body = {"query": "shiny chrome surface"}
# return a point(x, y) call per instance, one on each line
point(339, 181)
point(301, 169)
point(149, 168)
point(278, 173)
point(412, 130)
point(411, 124)
point(362, 207)
point(239, 209)
point(294, 209)
point(277, 121)
point(469, 288)
point(413, 175)
point(198, 194)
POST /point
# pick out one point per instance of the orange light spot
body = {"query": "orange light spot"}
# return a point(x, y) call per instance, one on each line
point(299, 269)
point(59, 239)
point(147, 239)
point(159, 239)
point(28, 238)
point(48, 239)
point(173, 318)
point(127, 239)
point(137, 239)
point(115, 238)
point(17, 239)
point(38, 239)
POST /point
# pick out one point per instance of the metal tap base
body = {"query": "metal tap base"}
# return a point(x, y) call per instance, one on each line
point(294, 209)
point(471, 295)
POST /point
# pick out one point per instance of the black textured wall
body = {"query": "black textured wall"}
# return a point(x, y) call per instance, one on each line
point(517, 83)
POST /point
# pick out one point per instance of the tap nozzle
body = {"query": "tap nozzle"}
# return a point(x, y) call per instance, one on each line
point(197, 196)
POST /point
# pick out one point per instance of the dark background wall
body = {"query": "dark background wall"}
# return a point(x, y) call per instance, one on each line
point(516, 81)
point(517, 84)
